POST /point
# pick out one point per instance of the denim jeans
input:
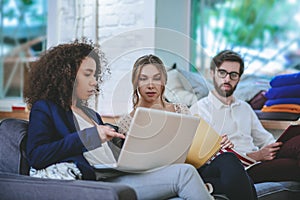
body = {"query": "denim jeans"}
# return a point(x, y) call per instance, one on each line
point(177, 180)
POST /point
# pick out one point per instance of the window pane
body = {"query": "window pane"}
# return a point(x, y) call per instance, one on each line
point(266, 33)
point(22, 34)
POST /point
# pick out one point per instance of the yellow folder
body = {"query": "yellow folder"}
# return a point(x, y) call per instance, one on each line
point(205, 145)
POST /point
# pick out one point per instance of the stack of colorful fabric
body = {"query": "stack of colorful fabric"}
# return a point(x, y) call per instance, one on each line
point(284, 94)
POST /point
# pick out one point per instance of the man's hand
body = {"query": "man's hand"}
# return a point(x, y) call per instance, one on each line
point(266, 153)
point(106, 133)
point(226, 143)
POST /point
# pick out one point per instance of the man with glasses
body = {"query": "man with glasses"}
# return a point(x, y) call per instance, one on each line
point(236, 119)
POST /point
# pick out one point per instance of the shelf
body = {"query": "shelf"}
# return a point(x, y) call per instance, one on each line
point(25, 115)
point(15, 114)
point(277, 125)
point(268, 124)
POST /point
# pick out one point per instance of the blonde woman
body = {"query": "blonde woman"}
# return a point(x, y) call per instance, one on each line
point(225, 173)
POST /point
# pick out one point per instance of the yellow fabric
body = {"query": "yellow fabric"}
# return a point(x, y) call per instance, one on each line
point(205, 145)
point(290, 108)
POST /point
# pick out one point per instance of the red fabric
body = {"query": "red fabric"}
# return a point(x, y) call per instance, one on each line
point(246, 161)
point(290, 149)
point(281, 169)
point(258, 101)
point(285, 167)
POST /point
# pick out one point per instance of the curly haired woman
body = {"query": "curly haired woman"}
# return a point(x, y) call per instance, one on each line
point(62, 128)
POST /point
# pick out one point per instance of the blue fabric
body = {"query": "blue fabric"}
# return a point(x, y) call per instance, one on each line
point(12, 137)
point(53, 137)
point(285, 79)
point(283, 101)
point(15, 186)
point(290, 91)
point(278, 190)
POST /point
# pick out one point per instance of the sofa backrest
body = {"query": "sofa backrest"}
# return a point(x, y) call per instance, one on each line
point(13, 135)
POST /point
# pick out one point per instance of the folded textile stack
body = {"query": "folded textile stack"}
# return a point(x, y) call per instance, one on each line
point(284, 94)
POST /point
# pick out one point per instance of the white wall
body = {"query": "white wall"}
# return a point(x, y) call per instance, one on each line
point(126, 29)
point(173, 44)
point(70, 19)
point(124, 35)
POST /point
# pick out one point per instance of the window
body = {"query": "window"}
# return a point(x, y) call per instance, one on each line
point(22, 35)
point(265, 33)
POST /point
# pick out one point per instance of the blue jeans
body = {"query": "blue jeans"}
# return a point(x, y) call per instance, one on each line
point(177, 180)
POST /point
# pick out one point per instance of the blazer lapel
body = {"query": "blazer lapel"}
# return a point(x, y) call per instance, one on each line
point(92, 114)
point(71, 121)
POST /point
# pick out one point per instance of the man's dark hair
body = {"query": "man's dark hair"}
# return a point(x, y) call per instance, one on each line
point(227, 55)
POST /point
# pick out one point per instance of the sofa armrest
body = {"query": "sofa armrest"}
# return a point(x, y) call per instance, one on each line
point(14, 186)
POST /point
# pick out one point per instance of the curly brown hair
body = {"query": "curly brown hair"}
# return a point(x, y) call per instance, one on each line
point(53, 75)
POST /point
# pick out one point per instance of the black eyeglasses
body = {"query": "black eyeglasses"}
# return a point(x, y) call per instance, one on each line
point(223, 73)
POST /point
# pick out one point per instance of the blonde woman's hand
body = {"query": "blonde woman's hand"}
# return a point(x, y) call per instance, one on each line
point(225, 142)
point(107, 133)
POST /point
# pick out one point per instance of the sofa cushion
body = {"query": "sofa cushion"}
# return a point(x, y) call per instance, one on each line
point(194, 82)
point(185, 87)
point(274, 191)
point(175, 91)
point(12, 148)
point(15, 186)
point(251, 85)
point(282, 116)
point(278, 190)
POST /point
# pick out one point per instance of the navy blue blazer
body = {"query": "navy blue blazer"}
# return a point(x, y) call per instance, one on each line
point(54, 136)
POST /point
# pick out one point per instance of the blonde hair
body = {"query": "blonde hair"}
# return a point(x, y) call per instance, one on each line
point(136, 71)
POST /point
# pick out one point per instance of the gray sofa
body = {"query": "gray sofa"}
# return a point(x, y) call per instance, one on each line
point(16, 184)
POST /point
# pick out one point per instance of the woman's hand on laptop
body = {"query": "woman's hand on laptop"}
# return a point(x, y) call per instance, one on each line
point(107, 133)
point(225, 142)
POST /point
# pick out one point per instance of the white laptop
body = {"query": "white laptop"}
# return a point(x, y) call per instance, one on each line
point(155, 139)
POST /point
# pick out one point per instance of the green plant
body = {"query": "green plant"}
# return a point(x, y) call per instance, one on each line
point(249, 23)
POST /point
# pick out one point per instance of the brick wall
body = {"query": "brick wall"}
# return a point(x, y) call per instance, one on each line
point(126, 30)
point(119, 26)
point(122, 37)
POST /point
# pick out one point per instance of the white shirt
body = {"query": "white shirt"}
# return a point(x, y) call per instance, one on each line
point(237, 120)
point(100, 155)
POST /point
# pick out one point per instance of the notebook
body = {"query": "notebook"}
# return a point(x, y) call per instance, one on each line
point(291, 131)
point(155, 139)
point(205, 145)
